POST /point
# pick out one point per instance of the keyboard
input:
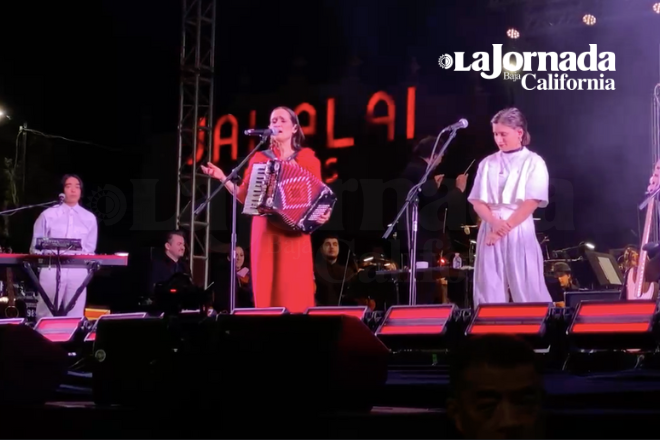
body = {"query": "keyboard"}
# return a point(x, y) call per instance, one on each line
point(256, 187)
point(73, 261)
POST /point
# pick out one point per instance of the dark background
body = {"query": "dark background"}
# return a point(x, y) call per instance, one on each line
point(106, 73)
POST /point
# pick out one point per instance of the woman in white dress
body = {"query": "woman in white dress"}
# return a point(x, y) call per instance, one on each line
point(510, 185)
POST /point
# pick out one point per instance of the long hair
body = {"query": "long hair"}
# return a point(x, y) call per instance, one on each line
point(513, 118)
point(298, 137)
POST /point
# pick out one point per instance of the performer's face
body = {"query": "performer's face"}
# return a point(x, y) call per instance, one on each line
point(507, 138)
point(71, 191)
point(176, 246)
point(240, 257)
point(331, 248)
point(281, 120)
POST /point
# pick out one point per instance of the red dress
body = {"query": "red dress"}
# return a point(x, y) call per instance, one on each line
point(281, 261)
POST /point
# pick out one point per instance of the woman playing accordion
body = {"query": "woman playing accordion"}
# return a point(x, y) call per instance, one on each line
point(281, 259)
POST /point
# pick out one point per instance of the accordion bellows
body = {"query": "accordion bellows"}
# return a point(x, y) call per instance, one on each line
point(289, 193)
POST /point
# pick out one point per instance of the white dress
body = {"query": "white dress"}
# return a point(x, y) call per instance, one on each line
point(515, 263)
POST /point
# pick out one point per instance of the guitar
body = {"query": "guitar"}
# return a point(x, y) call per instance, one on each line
point(636, 287)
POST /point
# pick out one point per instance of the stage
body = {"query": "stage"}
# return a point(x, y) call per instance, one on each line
point(608, 405)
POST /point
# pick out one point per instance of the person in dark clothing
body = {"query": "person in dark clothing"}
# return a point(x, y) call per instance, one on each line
point(442, 210)
point(222, 284)
point(330, 274)
point(496, 389)
point(164, 265)
point(171, 283)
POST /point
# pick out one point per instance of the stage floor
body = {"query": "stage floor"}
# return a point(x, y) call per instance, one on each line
point(617, 405)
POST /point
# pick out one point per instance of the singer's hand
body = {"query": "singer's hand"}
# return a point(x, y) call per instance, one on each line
point(492, 238)
point(438, 179)
point(461, 182)
point(323, 219)
point(501, 227)
point(213, 171)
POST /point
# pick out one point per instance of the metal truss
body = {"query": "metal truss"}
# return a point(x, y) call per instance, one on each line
point(195, 122)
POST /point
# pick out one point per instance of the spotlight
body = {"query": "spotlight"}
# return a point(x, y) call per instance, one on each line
point(587, 245)
point(513, 34)
point(589, 20)
point(656, 8)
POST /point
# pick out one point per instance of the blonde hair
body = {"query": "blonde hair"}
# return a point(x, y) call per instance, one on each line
point(513, 118)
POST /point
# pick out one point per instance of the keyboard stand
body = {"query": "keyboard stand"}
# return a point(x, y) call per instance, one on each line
point(29, 270)
point(92, 268)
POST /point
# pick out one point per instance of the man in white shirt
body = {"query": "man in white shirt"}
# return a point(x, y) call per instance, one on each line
point(67, 220)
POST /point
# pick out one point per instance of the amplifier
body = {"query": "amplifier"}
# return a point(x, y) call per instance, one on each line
point(573, 299)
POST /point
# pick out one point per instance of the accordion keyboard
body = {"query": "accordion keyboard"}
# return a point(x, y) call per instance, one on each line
point(256, 187)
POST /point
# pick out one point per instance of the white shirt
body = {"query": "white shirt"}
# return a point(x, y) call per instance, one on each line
point(64, 221)
point(508, 179)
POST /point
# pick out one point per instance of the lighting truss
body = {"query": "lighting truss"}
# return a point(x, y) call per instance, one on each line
point(195, 123)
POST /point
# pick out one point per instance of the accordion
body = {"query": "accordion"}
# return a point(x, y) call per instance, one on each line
point(289, 193)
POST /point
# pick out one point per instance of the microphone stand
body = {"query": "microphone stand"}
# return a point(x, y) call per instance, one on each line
point(15, 210)
point(343, 281)
point(232, 177)
point(412, 202)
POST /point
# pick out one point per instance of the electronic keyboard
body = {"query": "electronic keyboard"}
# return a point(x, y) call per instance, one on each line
point(70, 261)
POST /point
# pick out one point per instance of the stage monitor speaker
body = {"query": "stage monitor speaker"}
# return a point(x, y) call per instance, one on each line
point(293, 364)
point(241, 366)
point(132, 362)
point(573, 299)
point(32, 366)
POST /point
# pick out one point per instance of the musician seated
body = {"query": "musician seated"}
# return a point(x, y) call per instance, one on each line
point(561, 282)
point(562, 272)
point(222, 284)
point(170, 261)
point(330, 274)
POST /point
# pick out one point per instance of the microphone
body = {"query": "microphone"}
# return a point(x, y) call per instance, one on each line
point(60, 199)
point(262, 132)
point(462, 123)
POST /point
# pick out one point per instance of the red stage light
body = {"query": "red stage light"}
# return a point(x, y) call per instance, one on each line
point(58, 329)
point(416, 326)
point(607, 325)
point(359, 312)
point(12, 321)
point(91, 336)
point(518, 319)
point(262, 311)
